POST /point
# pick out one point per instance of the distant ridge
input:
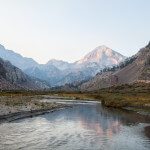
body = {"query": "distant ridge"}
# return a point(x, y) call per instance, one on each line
point(17, 59)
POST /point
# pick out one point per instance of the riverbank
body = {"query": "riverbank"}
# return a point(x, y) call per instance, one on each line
point(135, 97)
point(16, 107)
point(139, 103)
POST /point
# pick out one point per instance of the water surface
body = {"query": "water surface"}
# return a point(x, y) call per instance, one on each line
point(86, 126)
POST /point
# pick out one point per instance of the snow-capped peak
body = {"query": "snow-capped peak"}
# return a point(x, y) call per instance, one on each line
point(103, 56)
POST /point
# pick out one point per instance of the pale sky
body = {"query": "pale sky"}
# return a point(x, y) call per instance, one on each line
point(68, 29)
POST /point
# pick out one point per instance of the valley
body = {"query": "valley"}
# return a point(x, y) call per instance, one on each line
point(120, 85)
point(74, 75)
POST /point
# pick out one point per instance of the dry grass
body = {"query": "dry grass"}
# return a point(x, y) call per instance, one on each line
point(135, 95)
point(113, 99)
point(126, 100)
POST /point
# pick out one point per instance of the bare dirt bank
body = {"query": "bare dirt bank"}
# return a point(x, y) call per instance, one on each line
point(18, 107)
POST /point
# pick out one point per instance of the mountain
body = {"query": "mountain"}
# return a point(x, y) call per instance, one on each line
point(58, 72)
point(91, 64)
point(102, 56)
point(61, 65)
point(134, 69)
point(12, 77)
point(16, 59)
point(73, 77)
point(49, 73)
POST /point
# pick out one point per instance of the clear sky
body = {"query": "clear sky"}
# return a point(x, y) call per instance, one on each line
point(68, 29)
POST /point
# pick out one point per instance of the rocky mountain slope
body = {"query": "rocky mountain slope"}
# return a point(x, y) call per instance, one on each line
point(12, 77)
point(135, 69)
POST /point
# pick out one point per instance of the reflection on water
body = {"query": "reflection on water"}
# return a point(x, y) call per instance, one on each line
point(84, 126)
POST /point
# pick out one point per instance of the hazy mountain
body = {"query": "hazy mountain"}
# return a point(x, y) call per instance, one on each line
point(135, 69)
point(72, 77)
point(61, 65)
point(12, 77)
point(49, 73)
point(16, 59)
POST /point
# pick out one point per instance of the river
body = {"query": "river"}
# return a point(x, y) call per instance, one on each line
point(85, 126)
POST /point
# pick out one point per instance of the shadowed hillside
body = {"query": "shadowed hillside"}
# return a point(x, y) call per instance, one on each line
point(137, 70)
point(12, 78)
